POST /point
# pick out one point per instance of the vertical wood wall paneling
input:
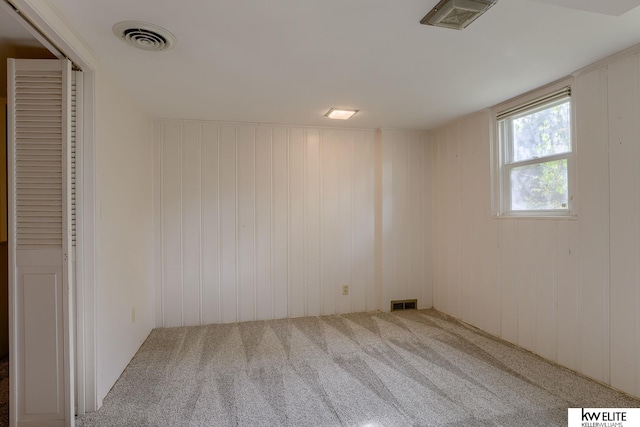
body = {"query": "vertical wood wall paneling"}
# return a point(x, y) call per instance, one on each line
point(363, 243)
point(296, 244)
point(228, 224)
point(172, 224)
point(428, 201)
point(567, 295)
point(624, 222)
point(593, 224)
point(246, 198)
point(388, 217)
point(280, 218)
point(416, 219)
point(544, 289)
point(261, 222)
point(525, 273)
point(468, 258)
point(158, 136)
point(401, 232)
point(508, 262)
point(473, 190)
point(486, 227)
point(405, 191)
point(439, 159)
point(491, 275)
point(264, 233)
point(312, 223)
point(210, 217)
point(374, 298)
point(374, 282)
point(479, 241)
point(329, 217)
point(454, 213)
point(345, 219)
point(191, 232)
point(357, 283)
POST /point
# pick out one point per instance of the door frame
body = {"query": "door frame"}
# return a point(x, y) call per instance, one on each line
point(44, 22)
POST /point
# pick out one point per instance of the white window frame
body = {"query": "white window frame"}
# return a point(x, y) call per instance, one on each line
point(501, 152)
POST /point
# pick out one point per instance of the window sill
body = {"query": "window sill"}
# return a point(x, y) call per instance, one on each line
point(569, 217)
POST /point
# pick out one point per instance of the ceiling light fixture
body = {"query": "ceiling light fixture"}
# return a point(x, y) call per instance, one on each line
point(143, 35)
point(340, 113)
point(456, 14)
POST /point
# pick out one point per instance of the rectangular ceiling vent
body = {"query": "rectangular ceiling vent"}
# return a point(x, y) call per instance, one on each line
point(456, 14)
point(405, 304)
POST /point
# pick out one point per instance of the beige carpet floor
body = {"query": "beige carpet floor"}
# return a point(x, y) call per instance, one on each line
point(406, 368)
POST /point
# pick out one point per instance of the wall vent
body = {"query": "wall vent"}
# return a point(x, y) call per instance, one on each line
point(405, 304)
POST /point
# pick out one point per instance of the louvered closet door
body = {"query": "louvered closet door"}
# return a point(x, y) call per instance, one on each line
point(39, 158)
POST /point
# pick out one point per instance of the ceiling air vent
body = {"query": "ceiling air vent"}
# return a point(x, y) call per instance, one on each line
point(144, 35)
point(456, 14)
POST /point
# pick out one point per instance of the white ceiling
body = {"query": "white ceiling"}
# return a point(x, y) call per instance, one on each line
point(615, 7)
point(289, 61)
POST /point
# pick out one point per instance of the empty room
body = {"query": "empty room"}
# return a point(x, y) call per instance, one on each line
point(338, 213)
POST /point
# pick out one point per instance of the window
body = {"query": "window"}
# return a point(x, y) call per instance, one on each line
point(536, 153)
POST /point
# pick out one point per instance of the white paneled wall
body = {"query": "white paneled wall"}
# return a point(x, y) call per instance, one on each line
point(624, 219)
point(262, 222)
point(591, 288)
point(566, 289)
point(406, 214)
point(466, 239)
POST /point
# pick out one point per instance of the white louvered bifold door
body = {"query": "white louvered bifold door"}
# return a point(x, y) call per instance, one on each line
point(39, 181)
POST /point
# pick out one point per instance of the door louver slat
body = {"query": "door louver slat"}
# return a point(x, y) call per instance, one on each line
point(38, 156)
point(38, 159)
point(74, 143)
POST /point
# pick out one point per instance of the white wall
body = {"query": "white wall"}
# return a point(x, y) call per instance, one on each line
point(465, 237)
point(406, 217)
point(624, 221)
point(262, 222)
point(568, 290)
point(124, 230)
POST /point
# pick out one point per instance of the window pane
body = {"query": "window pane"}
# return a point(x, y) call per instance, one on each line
point(542, 133)
point(540, 186)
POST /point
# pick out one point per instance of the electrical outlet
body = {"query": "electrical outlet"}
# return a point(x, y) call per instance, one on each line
point(345, 289)
point(133, 314)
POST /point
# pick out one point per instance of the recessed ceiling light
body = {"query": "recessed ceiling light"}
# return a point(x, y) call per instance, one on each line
point(456, 14)
point(340, 114)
